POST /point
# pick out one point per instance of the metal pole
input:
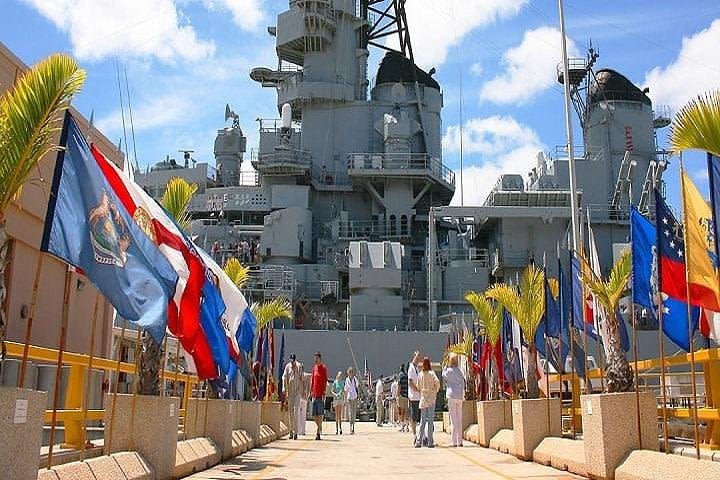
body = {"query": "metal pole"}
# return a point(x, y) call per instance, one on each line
point(431, 266)
point(88, 376)
point(569, 129)
point(115, 389)
point(662, 373)
point(136, 384)
point(635, 360)
point(31, 316)
point(58, 367)
point(177, 366)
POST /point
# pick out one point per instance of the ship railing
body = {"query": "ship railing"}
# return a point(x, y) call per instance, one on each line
point(273, 125)
point(401, 161)
point(249, 178)
point(272, 281)
point(368, 229)
point(319, 290)
point(367, 322)
point(285, 156)
point(478, 255)
point(600, 213)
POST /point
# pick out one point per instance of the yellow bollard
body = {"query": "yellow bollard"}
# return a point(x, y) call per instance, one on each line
point(74, 401)
point(711, 372)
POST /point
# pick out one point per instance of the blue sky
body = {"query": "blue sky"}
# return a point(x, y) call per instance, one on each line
point(186, 58)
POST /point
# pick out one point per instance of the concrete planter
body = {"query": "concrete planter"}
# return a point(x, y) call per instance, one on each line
point(492, 416)
point(212, 422)
point(530, 424)
point(610, 429)
point(153, 432)
point(250, 420)
point(271, 416)
point(21, 431)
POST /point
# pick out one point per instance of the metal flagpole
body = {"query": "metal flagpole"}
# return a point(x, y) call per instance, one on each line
point(136, 381)
point(164, 364)
point(547, 347)
point(635, 340)
point(31, 317)
point(659, 303)
point(690, 326)
point(177, 366)
point(88, 376)
point(58, 367)
point(561, 361)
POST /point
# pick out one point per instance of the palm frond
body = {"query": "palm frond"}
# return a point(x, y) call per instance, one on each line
point(489, 314)
point(30, 118)
point(176, 200)
point(697, 125)
point(237, 272)
point(269, 310)
point(525, 302)
point(609, 292)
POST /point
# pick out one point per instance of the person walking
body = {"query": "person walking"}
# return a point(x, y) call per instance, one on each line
point(302, 416)
point(379, 399)
point(352, 393)
point(393, 402)
point(338, 391)
point(414, 392)
point(403, 404)
point(293, 378)
point(454, 393)
point(428, 385)
point(317, 392)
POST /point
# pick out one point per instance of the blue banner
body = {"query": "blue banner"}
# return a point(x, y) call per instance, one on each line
point(88, 227)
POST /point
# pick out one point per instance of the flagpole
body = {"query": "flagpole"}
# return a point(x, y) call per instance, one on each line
point(31, 316)
point(600, 347)
point(561, 361)
point(58, 367)
point(177, 366)
point(88, 376)
point(547, 348)
point(635, 356)
point(136, 382)
point(115, 389)
point(572, 356)
point(660, 315)
point(690, 326)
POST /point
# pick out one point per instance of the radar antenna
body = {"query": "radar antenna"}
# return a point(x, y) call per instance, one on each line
point(187, 157)
point(231, 114)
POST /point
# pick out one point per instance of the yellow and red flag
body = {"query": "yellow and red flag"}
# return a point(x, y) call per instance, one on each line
point(701, 256)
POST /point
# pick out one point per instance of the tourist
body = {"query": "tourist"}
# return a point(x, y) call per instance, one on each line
point(379, 399)
point(302, 416)
point(454, 393)
point(338, 391)
point(394, 386)
point(293, 378)
point(352, 393)
point(403, 404)
point(317, 392)
point(414, 392)
point(429, 385)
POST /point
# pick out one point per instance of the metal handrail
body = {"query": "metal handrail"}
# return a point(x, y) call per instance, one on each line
point(401, 161)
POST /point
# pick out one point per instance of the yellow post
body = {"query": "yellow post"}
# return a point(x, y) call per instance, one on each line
point(74, 401)
point(711, 372)
point(574, 412)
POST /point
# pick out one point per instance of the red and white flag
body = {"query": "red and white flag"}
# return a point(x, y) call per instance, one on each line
point(710, 324)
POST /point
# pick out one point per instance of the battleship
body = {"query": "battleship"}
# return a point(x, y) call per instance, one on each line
point(347, 210)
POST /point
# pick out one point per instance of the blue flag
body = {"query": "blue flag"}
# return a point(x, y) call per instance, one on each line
point(212, 309)
point(246, 333)
point(714, 176)
point(645, 277)
point(88, 227)
point(568, 335)
point(552, 313)
point(578, 300)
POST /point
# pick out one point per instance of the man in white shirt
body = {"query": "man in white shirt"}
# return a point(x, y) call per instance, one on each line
point(293, 378)
point(414, 391)
point(352, 390)
point(379, 398)
point(394, 386)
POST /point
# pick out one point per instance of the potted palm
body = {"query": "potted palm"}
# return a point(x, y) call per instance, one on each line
point(493, 414)
point(526, 303)
point(31, 114)
point(606, 448)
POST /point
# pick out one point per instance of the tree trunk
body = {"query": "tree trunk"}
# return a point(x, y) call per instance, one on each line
point(150, 356)
point(618, 372)
point(531, 380)
point(493, 378)
point(4, 246)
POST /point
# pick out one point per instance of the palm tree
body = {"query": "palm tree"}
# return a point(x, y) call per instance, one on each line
point(237, 272)
point(269, 310)
point(31, 114)
point(175, 201)
point(608, 293)
point(526, 303)
point(491, 319)
point(697, 125)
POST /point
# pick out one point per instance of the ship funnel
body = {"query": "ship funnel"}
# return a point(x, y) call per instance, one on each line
point(286, 115)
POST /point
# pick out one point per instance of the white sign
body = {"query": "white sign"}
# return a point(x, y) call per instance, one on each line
point(588, 407)
point(172, 410)
point(21, 408)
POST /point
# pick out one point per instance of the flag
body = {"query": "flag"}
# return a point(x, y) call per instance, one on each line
point(212, 309)
point(552, 313)
point(645, 283)
point(710, 325)
point(281, 364)
point(670, 251)
point(593, 312)
point(700, 249)
point(88, 226)
point(579, 301)
point(270, 368)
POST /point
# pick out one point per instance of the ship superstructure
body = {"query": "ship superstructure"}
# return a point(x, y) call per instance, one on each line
point(348, 213)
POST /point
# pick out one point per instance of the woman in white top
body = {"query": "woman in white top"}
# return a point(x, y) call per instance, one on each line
point(428, 384)
point(352, 391)
point(394, 386)
point(454, 392)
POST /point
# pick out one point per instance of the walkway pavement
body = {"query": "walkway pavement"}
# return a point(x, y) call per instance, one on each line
point(375, 453)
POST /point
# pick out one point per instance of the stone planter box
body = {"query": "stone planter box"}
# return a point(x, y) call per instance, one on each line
point(530, 424)
point(610, 429)
point(271, 416)
point(21, 431)
point(153, 432)
point(212, 422)
point(250, 417)
point(492, 416)
point(649, 465)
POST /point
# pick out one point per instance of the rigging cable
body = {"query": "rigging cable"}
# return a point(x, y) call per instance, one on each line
point(122, 108)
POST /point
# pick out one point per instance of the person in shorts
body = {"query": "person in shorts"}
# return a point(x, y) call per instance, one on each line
point(403, 403)
point(318, 384)
point(414, 391)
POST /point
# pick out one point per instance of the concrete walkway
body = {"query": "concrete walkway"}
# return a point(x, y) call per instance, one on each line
point(375, 453)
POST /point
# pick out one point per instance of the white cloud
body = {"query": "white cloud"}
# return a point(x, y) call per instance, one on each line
point(476, 69)
point(247, 14)
point(169, 109)
point(694, 71)
point(530, 67)
point(437, 26)
point(492, 146)
point(128, 28)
